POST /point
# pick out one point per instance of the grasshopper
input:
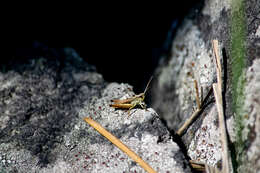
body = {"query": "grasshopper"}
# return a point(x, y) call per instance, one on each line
point(132, 102)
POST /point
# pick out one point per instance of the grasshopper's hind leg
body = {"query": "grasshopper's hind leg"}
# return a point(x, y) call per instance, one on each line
point(130, 109)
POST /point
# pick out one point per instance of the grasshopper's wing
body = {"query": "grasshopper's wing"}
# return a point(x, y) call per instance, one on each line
point(128, 100)
point(124, 101)
point(123, 106)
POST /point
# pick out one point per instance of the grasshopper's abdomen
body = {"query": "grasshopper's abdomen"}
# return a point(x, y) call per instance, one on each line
point(123, 106)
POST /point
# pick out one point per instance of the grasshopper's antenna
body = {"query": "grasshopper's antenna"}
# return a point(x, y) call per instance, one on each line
point(146, 88)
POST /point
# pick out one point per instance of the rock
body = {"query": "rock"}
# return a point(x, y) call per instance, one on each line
point(250, 134)
point(234, 24)
point(40, 101)
point(191, 60)
point(142, 131)
point(43, 103)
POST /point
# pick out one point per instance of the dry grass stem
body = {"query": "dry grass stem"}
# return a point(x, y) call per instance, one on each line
point(218, 63)
point(203, 167)
point(188, 122)
point(217, 88)
point(201, 95)
point(199, 102)
point(197, 94)
point(120, 145)
point(198, 166)
point(212, 169)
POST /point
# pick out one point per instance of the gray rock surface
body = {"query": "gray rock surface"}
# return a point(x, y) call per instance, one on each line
point(252, 119)
point(40, 100)
point(234, 24)
point(191, 60)
point(43, 103)
point(142, 131)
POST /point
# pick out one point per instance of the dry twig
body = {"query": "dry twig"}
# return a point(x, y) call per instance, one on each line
point(188, 122)
point(203, 167)
point(120, 145)
point(200, 103)
point(218, 97)
point(197, 94)
point(197, 165)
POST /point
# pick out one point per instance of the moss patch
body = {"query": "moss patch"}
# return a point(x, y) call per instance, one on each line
point(238, 54)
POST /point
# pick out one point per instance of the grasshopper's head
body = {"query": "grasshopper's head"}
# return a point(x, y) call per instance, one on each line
point(142, 104)
point(142, 96)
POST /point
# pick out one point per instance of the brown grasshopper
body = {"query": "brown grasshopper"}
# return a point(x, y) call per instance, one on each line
point(132, 102)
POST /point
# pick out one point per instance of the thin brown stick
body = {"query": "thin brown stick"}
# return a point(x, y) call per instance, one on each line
point(225, 154)
point(188, 122)
point(217, 88)
point(212, 169)
point(203, 167)
point(218, 63)
point(197, 94)
point(195, 114)
point(120, 145)
point(201, 96)
point(197, 165)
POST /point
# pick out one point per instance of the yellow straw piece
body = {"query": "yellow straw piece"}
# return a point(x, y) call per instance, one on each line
point(119, 144)
point(217, 88)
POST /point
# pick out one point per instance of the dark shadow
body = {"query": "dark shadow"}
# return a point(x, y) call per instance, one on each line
point(177, 139)
point(224, 54)
point(231, 145)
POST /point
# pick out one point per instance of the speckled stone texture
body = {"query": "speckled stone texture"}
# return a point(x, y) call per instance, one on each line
point(42, 128)
point(191, 58)
point(39, 102)
point(142, 131)
point(252, 119)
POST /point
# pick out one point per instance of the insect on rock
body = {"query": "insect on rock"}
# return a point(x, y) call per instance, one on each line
point(132, 102)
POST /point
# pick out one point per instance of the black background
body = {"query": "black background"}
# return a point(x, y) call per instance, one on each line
point(115, 40)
